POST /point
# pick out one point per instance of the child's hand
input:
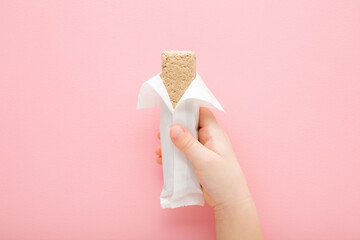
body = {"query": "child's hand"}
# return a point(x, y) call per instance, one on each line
point(218, 172)
point(214, 161)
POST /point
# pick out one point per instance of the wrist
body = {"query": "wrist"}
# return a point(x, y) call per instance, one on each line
point(233, 208)
point(238, 220)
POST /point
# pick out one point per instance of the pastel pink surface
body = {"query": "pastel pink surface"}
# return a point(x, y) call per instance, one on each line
point(77, 160)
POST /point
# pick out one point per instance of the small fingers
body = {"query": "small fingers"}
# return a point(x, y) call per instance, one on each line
point(207, 118)
point(159, 160)
point(158, 151)
point(196, 152)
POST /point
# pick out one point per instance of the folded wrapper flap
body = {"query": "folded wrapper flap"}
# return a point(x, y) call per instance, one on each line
point(153, 91)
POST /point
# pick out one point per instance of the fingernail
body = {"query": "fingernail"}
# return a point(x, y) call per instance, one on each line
point(176, 132)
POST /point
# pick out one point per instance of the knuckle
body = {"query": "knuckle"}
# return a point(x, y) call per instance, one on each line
point(204, 135)
point(188, 143)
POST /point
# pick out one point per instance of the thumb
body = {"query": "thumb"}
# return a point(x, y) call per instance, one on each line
point(192, 148)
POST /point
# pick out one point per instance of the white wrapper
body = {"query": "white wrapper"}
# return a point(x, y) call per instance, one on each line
point(181, 187)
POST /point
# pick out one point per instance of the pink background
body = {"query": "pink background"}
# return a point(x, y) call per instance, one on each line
point(77, 160)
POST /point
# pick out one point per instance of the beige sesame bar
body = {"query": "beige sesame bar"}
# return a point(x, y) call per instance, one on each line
point(178, 71)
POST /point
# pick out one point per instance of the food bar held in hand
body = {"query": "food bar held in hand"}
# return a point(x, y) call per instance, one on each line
point(179, 91)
